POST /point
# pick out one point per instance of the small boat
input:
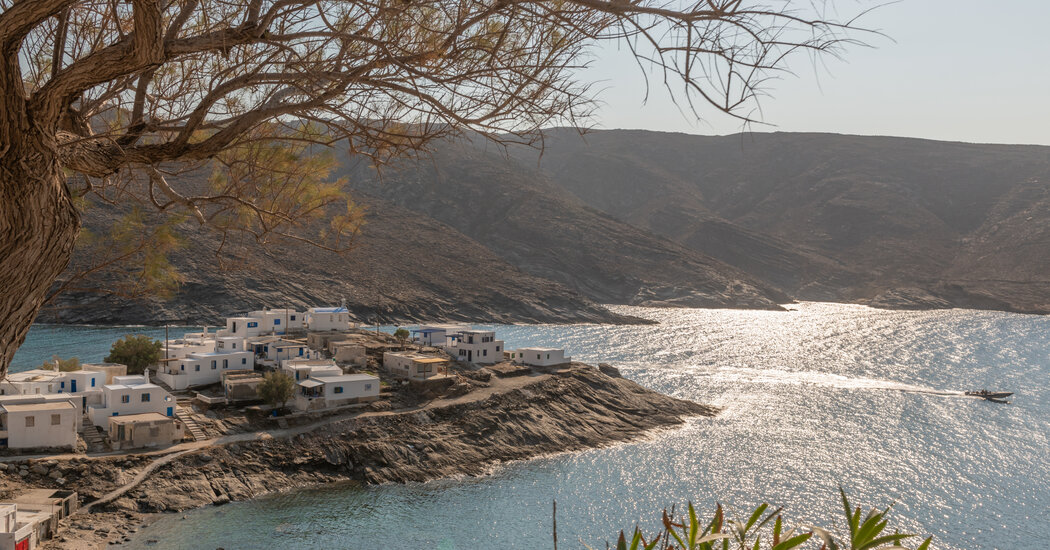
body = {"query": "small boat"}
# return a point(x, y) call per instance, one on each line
point(989, 394)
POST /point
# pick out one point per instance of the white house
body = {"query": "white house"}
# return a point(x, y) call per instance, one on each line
point(414, 366)
point(243, 327)
point(15, 534)
point(201, 369)
point(539, 357)
point(477, 346)
point(302, 369)
point(328, 319)
point(194, 342)
point(51, 423)
point(279, 321)
point(229, 343)
point(85, 383)
point(30, 382)
point(110, 370)
point(272, 349)
point(436, 335)
point(131, 395)
point(326, 392)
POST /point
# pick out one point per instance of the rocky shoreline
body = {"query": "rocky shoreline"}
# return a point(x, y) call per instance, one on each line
point(543, 412)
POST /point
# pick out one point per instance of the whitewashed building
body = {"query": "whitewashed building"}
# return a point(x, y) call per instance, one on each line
point(110, 370)
point(243, 327)
point(131, 395)
point(436, 335)
point(273, 350)
point(414, 366)
point(327, 392)
point(476, 346)
point(328, 319)
point(278, 321)
point(201, 369)
point(538, 357)
point(27, 423)
point(84, 383)
point(30, 382)
point(15, 534)
point(302, 369)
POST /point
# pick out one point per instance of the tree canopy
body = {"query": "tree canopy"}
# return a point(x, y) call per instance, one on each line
point(105, 101)
point(276, 389)
point(137, 351)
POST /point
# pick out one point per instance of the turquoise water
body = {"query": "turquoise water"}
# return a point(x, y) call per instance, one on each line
point(90, 344)
point(825, 395)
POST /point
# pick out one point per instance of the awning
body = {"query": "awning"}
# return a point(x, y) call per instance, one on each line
point(311, 383)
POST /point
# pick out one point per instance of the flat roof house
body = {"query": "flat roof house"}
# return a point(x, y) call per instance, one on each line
point(435, 335)
point(201, 369)
point(272, 350)
point(477, 346)
point(279, 321)
point(136, 431)
point(327, 392)
point(131, 395)
point(302, 369)
point(324, 319)
point(241, 385)
point(414, 366)
point(111, 370)
point(50, 424)
point(539, 357)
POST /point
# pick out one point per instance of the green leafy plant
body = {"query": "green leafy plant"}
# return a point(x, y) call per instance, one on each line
point(765, 531)
point(276, 388)
point(137, 351)
point(401, 335)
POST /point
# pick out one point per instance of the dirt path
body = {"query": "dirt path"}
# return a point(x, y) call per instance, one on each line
point(168, 454)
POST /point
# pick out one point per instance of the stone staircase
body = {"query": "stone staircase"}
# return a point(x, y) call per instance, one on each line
point(92, 436)
point(191, 423)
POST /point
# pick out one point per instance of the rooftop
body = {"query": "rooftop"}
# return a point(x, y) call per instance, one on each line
point(134, 418)
point(328, 310)
point(30, 407)
point(341, 378)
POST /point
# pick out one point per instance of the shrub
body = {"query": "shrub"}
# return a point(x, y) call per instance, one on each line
point(866, 532)
point(64, 365)
point(276, 389)
point(136, 351)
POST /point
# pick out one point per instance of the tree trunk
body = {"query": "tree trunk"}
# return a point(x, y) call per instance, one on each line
point(38, 228)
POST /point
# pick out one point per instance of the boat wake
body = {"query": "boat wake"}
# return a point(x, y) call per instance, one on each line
point(813, 378)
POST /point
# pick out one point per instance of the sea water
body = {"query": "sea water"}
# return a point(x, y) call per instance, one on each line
point(823, 396)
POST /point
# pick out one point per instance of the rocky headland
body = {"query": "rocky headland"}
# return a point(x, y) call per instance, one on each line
point(487, 417)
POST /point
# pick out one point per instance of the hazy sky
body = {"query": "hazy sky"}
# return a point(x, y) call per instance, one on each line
point(958, 70)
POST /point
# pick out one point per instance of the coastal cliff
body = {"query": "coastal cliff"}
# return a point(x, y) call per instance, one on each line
point(475, 425)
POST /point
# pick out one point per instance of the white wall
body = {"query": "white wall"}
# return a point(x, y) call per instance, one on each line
point(43, 433)
point(159, 401)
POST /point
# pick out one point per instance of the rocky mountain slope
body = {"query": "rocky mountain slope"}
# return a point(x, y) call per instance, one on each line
point(478, 232)
point(890, 221)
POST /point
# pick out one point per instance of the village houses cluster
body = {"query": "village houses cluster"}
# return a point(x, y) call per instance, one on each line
point(320, 349)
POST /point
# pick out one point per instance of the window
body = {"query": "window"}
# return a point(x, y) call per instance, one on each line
point(251, 324)
point(225, 363)
point(56, 420)
point(30, 421)
point(338, 389)
point(276, 322)
point(213, 366)
point(368, 386)
point(197, 368)
point(145, 398)
point(182, 367)
point(244, 360)
point(548, 356)
point(92, 381)
point(292, 318)
point(497, 348)
point(125, 399)
point(62, 385)
point(485, 352)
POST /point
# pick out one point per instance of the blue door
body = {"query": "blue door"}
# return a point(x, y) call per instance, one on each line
point(73, 385)
point(170, 412)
